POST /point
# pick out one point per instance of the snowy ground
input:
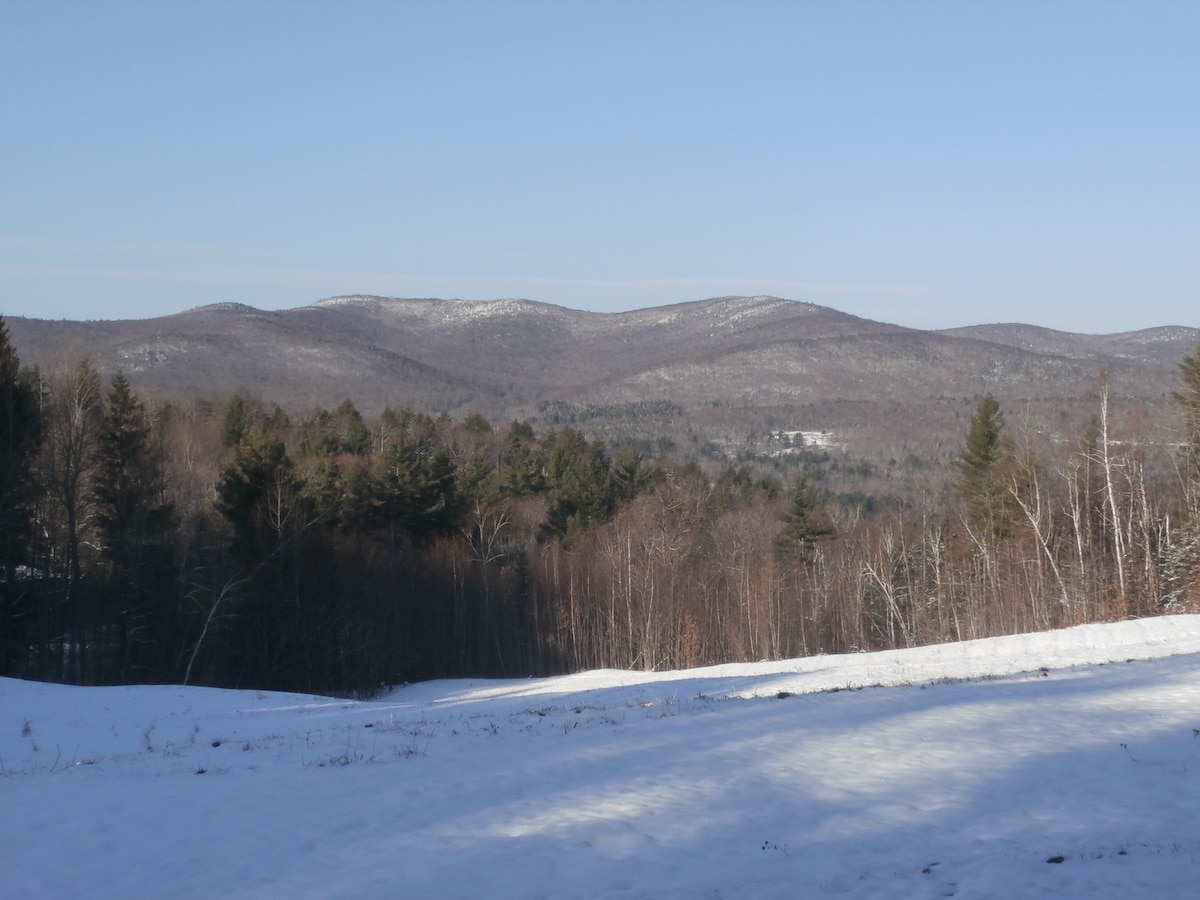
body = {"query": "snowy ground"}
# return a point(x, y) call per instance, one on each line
point(1064, 764)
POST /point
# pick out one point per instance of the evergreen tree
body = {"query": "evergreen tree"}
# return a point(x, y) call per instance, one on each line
point(524, 469)
point(580, 489)
point(19, 435)
point(1183, 556)
point(257, 492)
point(233, 421)
point(804, 524)
point(323, 490)
point(477, 424)
point(133, 520)
point(1188, 398)
point(416, 488)
point(18, 440)
point(128, 491)
point(981, 486)
point(629, 474)
point(352, 434)
point(333, 433)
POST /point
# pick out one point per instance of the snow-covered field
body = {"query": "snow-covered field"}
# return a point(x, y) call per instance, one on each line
point(1063, 764)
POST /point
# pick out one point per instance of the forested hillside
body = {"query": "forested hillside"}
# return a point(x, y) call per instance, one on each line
point(245, 544)
point(722, 367)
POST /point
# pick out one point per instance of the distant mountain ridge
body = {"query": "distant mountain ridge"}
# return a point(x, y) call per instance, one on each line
point(1162, 343)
point(504, 357)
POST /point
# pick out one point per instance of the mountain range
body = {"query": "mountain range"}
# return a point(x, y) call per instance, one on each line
point(729, 367)
point(503, 357)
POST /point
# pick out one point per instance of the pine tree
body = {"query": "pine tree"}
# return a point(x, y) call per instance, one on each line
point(580, 487)
point(128, 492)
point(233, 421)
point(416, 488)
point(133, 520)
point(355, 438)
point(19, 435)
point(1188, 398)
point(804, 523)
point(980, 463)
point(629, 473)
point(524, 468)
point(1183, 557)
point(257, 492)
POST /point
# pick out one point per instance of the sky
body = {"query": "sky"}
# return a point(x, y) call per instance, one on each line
point(932, 164)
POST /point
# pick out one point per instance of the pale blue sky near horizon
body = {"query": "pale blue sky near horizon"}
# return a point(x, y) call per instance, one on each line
point(932, 164)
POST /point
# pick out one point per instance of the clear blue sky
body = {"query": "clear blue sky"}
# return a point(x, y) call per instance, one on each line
point(927, 163)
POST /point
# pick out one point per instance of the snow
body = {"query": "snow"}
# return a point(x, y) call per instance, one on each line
point(1063, 764)
point(445, 311)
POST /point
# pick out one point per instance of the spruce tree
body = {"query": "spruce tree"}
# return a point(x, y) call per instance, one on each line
point(804, 524)
point(980, 461)
point(233, 421)
point(1183, 556)
point(356, 437)
point(416, 488)
point(256, 491)
point(133, 524)
point(629, 473)
point(580, 487)
point(131, 511)
point(19, 435)
point(1188, 398)
point(524, 466)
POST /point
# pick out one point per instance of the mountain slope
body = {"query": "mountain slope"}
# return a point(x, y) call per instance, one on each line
point(504, 357)
point(1163, 345)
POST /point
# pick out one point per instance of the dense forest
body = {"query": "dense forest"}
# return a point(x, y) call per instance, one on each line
point(238, 544)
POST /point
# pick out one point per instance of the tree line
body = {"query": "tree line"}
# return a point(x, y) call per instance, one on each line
point(236, 544)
